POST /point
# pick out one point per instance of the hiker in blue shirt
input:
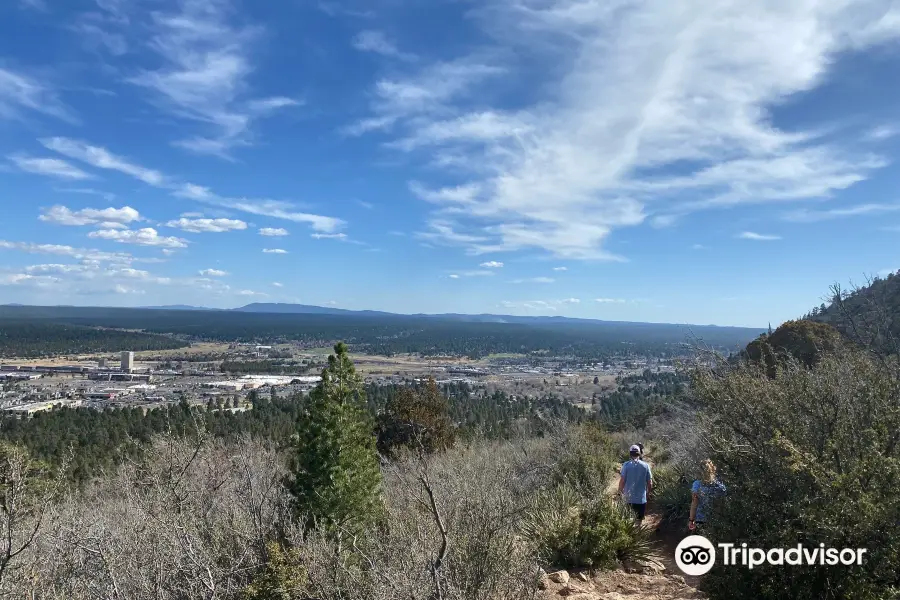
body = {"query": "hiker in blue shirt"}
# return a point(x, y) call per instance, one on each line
point(702, 491)
point(635, 482)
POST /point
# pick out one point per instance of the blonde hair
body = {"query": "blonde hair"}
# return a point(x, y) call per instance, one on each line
point(709, 471)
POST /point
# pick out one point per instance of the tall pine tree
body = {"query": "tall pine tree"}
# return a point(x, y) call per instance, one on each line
point(336, 479)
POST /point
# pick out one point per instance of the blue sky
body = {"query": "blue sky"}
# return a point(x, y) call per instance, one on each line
point(703, 162)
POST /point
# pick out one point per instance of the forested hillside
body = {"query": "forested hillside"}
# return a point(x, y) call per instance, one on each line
point(34, 339)
point(389, 335)
point(95, 441)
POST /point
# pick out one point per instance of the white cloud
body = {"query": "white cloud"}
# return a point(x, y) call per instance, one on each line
point(427, 93)
point(653, 109)
point(23, 279)
point(102, 159)
point(278, 285)
point(53, 167)
point(207, 225)
point(366, 205)
point(109, 218)
point(809, 216)
point(377, 42)
point(273, 231)
point(610, 300)
point(540, 305)
point(141, 237)
point(472, 274)
point(698, 247)
point(274, 251)
point(535, 280)
point(560, 268)
point(19, 91)
point(90, 191)
point(760, 237)
point(191, 215)
point(213, 273)
point(329, 236)
point(882, 132)
point(492, 264)
point(123, 289)
point(205, 75)
point(86, 254)
point(251, 293)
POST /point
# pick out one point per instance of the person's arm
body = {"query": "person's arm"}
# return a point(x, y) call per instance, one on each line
point(622, 480)
point(649, 481)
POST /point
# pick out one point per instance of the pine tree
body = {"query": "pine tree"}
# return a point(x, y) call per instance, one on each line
point(336, 480)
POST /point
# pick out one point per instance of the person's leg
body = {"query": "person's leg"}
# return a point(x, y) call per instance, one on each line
point(639, 511)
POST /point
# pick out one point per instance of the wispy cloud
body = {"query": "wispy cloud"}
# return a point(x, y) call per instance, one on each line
point(108, 218)
point(810, 216)
point(278, 285)
point(759, 237)
point(207, 225)
point(610, 300)
point(19, 92)
point(560, 268)
point(882, 132)
point(213, 273)
point(492, 264)
point(140, 237)
point(329, 236)
point(53, 167)
point(205, 74)
point(101, 158)
point(273, 231)
point(535, 280)
point(377, 42)
point(274, 251)
point(425, 94)
point(85, 254)
point(540, 305)
point(651, 111)
point(471, 274)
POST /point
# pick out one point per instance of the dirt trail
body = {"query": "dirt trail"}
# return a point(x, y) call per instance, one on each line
point(631, 582)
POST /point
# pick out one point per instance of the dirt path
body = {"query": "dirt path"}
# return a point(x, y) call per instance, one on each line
point(665, 537)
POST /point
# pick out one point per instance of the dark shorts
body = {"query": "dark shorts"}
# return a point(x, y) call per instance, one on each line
point(639, 510)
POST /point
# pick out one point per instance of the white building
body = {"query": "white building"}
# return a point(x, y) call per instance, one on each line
point(127, 362)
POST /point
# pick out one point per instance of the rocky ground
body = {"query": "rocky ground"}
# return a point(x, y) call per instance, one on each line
point(643, 584)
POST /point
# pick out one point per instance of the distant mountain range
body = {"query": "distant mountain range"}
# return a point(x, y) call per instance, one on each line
point(300, 309)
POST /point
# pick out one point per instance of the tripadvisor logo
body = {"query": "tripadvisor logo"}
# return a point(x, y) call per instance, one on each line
point(696, 555)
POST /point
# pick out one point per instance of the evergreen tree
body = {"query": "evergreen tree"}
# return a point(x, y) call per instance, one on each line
point(336, 477)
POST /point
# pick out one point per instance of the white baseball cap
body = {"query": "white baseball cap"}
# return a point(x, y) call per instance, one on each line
point(635, 448)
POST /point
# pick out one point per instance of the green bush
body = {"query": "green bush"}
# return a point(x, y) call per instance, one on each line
point(810, 456)
point(282, 578)
point(586, 460)
point(597, 535)
point(672, 493)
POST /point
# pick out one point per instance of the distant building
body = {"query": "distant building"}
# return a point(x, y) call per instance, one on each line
point(127, 362)
point(101, 363)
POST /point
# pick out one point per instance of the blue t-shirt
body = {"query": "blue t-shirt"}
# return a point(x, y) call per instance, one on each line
point(636, 474)
point(706, 492)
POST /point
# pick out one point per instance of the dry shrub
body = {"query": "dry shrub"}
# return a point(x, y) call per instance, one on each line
point(189, 521)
